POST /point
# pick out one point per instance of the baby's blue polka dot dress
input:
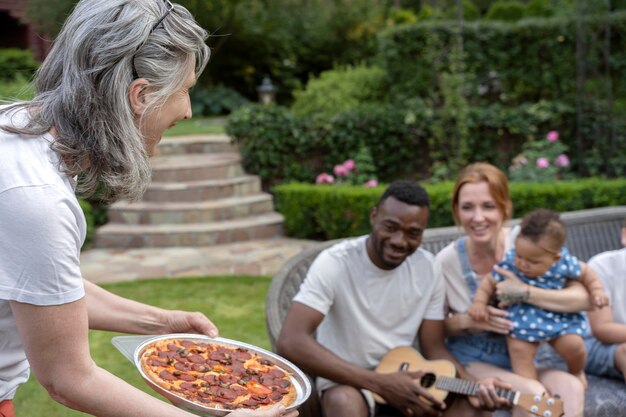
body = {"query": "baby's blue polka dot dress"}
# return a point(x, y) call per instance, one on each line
point(534, 324)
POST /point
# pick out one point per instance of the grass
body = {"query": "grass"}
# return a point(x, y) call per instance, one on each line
point(236, 304)
point(197, 125)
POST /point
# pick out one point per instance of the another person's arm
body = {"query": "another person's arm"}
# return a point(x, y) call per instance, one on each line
point(573, 298)
point(604, 328)
point(55, 339)
point(296, 343)
point(107, 311)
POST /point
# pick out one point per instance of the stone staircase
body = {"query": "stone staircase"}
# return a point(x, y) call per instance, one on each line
point(199, 196)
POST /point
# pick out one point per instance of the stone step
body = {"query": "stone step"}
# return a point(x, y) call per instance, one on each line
point(179, 145)
point(264, 226)
point(203, 190)
point(196, 167)
point(144, 212)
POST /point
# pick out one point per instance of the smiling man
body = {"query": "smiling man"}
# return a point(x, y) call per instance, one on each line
point(366, 296)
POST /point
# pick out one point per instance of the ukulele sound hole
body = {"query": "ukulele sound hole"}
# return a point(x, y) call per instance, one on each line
point(428, 380)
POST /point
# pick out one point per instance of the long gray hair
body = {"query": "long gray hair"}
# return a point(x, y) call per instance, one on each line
point(82, 88)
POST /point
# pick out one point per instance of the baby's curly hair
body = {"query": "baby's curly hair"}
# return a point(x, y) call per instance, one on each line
point(543, 224)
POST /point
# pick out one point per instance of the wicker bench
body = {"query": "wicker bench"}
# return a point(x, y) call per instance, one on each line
point(588, 232)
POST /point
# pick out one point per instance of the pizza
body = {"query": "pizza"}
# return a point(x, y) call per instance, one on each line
point(216, 375)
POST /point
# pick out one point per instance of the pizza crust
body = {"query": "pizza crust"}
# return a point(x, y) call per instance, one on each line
point(215, 375)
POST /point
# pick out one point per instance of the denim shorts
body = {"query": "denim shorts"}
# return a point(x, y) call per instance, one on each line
point(601, 358)
point(480, 347)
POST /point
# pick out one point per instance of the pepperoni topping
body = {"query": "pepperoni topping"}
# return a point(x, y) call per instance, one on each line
point(277, 373)
point(212, 379)
point(167, 376)
point(195, 358)
point(188, 386)
point(186, 377)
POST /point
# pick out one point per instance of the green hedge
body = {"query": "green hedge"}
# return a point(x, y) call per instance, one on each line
point(330, 211)
point(529, 60)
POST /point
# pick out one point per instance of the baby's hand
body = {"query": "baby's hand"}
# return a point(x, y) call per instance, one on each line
point(599, 298)
point(478, 312)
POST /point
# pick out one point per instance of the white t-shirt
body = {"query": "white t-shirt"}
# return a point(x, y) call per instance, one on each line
point(611, 267)
point(458, 297)
point(369, 311)
point(42, 228)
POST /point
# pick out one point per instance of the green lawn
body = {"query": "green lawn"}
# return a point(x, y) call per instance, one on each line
point(197, 125)
point(236, 304)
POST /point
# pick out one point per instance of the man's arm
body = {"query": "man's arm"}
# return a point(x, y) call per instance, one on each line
point(604, 328)
point(296, 343)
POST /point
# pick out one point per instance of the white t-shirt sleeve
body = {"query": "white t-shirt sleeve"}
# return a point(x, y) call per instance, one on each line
point(318, 289)
point(40, 242)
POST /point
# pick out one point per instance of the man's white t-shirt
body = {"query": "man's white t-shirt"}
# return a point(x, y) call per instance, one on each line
point(611, 267)
point(369, 311)
point(42, 228)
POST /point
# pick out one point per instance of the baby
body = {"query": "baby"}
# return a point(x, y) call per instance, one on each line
point(539, 259)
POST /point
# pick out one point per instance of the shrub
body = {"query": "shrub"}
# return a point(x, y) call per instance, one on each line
point(17, 64)
point(215, 101)
point(507, 10)
point(340, 89)
point(331, 211)
point(273, 143)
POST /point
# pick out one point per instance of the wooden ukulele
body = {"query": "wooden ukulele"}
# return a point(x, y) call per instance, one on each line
point(440, 379)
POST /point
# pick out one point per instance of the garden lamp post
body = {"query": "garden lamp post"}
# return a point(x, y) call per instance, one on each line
point(266, 91)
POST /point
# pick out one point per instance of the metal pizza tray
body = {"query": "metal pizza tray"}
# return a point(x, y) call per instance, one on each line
point(132, 346)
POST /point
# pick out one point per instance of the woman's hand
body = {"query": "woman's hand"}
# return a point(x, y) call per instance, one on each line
point(175, 321)
point(512, 290)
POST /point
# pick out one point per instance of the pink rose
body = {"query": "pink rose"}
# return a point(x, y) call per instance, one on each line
point(349, 164)
point(543, 163)
point(371, 183)
point(341, 170)
point(324, 178)
point(562, 161)
point(552, 136)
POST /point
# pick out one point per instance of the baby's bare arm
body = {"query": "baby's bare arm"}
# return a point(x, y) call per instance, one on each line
point(478, 309)
point(592, 282)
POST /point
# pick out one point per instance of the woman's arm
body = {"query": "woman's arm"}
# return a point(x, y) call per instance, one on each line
point(55, 339)
point(107, 311)
point(573, 298)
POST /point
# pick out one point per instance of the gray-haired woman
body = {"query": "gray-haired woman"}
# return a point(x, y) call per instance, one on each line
point(117, 76)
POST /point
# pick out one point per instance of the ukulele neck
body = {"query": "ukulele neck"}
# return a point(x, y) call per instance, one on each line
point(465, 387)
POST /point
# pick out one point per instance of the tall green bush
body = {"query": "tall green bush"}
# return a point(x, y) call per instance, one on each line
point(340, 89)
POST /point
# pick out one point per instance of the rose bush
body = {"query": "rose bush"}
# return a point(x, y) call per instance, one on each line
point(541, 160)
point(357, 171)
